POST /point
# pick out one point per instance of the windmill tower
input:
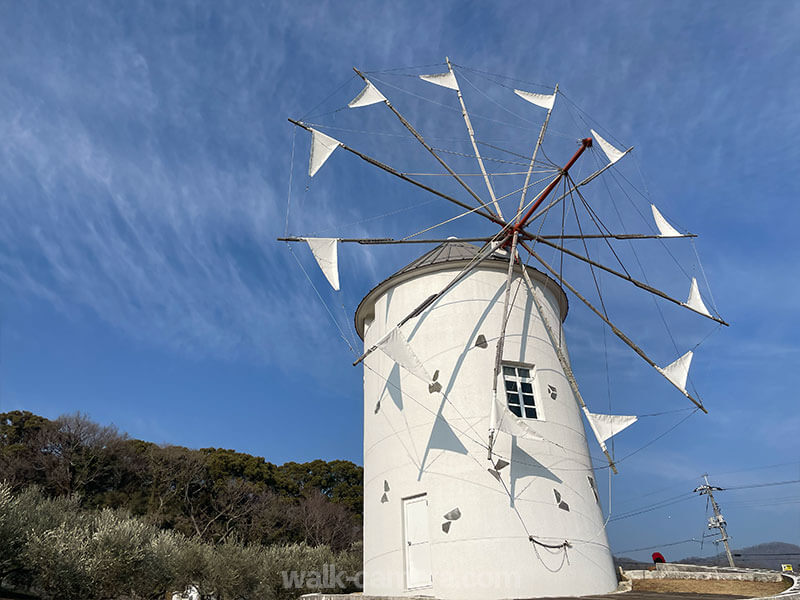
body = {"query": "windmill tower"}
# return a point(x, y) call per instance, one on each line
point(478, 478)
point(439, 518)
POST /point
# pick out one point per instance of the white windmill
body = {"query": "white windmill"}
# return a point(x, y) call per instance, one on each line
point(478, 479)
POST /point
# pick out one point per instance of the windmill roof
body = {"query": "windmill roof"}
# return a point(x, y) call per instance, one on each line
point(452, 251)
point(449, 251)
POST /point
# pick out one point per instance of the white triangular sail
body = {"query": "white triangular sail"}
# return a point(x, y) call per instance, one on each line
point(544, 100)
point(664, 228)
point(369, 95)
point(447, 80)
point(396, 347)
point(325, 251)
point(610, 151)
point(322, 146)
point(606, 426)
point(678, 371)
point(695, 301)
point(512, 424)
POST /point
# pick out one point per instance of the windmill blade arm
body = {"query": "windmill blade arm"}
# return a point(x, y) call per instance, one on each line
point(565, 366)
point(498, 357)
point(636, 282)
point(419, 184)
point(613, 327)
point(613, 236)
point(379, 241)
point(573, 188)
point(427, 146)
point(471, 133)
point(563, 172)
point(488, 249)
point(538, 145)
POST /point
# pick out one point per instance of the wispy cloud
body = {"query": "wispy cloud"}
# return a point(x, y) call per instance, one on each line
point(115, 202)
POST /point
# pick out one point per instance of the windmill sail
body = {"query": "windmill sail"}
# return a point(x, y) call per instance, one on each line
point(325, 251)
point(447, 80)
point(544, 100)
point(606, 426)
point(678, 371)
point(396, 347)
point(509, 423)
point(322, 146)
point(695, 301)
point(664, 228)
point(369, 95)
point(610, 151)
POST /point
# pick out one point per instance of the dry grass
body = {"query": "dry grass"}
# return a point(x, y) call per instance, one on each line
point(750, 589)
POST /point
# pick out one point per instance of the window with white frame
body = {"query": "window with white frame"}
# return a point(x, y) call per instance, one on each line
point(518, 382)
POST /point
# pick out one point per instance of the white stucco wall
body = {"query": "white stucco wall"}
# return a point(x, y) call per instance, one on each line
point(486, 553)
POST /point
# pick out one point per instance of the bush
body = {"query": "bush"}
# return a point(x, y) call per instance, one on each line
point(235, 572)
point(63, 552)
point(23, 515)
point(108, 556)
point(61, 562)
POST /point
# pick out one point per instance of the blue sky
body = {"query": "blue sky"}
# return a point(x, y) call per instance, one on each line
point(144, 168)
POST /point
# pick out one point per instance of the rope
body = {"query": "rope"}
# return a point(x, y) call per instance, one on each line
point(658, 437)
point(375, 217)
point(328, 97)
point(291, 174)
point(445, 106)
point(393, 71)
point(335, 322)
point(549, 163)
point(464, 214)
point(488, 73)
point(498, 160)
point(705, 279)
point(646, 280)
point(493, 101)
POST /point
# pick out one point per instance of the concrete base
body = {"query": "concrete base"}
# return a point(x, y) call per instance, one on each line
point(700, 572)
point(662, 571)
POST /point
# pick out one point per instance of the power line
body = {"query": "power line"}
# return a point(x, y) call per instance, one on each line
point(658, 505)
point(758, 468)
point(659, 546)
point(755, 468)
point(760, 485)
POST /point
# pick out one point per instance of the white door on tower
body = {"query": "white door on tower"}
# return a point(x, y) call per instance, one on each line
point(418, 548)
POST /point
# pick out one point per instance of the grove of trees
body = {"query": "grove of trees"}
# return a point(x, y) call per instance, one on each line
point(90, 478)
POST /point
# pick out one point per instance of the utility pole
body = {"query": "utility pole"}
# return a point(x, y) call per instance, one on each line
point(717, 521)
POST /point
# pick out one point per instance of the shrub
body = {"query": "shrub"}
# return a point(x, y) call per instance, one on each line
point(61, 560)
point(235, 573)
point(108, 556)
point(63, 552)
point(22, 515)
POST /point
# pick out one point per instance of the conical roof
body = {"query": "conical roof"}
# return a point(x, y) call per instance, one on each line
point(449, 251)
point(458, 253)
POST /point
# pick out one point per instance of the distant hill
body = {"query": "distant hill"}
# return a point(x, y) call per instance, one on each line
point(770, 555)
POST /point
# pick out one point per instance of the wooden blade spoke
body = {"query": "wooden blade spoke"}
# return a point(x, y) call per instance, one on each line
point(613, 327)
point(636, 282)
point(379, 241)
point(419, 184)
point(428, 147)
point(483, 254)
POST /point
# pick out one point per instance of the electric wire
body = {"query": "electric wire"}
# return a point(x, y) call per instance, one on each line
point(657, 546)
